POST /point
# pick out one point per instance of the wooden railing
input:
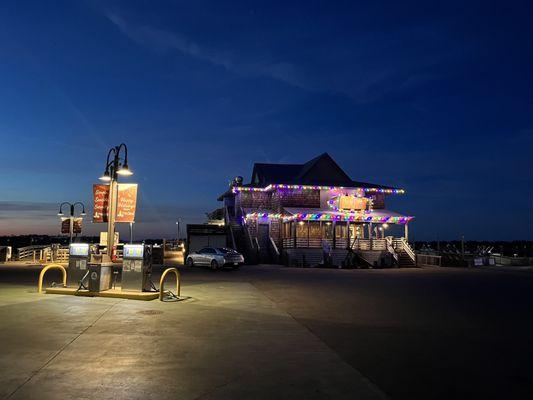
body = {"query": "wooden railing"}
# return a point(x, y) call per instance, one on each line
point(429, 260)
point(42, 254)
point(390, 248)
point(403, 245)
point(288, 243)
point(274, 246)
point(227, 220)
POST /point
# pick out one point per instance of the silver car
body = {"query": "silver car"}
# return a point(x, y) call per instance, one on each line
point(215, 257)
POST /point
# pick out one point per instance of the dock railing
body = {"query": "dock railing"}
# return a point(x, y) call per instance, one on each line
point(429, 260)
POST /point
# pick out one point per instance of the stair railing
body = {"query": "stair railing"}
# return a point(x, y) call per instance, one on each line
point(228, 223)
point(390, 248)
point(408, 250)
point(275, 250)
point(273, 244)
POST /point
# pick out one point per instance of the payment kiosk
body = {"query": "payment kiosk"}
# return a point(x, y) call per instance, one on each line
point(77, 263)
point(137, 267)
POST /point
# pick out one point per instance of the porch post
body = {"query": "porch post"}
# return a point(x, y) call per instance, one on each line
point(307, 234)
point(334, 227)
point(348, 234)
point(370, 234)
point(406, 232)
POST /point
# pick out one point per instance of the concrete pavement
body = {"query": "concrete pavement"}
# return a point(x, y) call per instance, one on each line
point(274, 332)
point(229, 341)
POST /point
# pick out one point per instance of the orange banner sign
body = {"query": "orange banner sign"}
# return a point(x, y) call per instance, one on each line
point(126, 203)
point(76, 225)
point(100, 202)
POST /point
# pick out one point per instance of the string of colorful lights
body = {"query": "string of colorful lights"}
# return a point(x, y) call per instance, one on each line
point(349, 216)
point(237, 189)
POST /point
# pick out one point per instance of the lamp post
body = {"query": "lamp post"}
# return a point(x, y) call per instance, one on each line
point(114, 167)
point(178, 230)
point(131, 231)
point(71, 217)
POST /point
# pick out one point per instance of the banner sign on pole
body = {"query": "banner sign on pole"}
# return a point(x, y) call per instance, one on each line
point(100, 202)
point(76, 225)
point(126, 203)
point(65, 225)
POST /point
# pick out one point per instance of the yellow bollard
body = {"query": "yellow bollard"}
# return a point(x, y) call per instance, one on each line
point(162, 282)
point(46, 268)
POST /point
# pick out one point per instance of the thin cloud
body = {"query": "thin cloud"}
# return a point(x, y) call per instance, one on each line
point(362, 81)
point(282, 71)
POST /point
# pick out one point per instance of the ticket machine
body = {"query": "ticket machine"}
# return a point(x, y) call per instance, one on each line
point(137, 267)
point(77, 263)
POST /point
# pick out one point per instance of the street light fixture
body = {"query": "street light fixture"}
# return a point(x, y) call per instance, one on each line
point(71, 217)
point(114, 167)
point(124, 170)
point(105, 177)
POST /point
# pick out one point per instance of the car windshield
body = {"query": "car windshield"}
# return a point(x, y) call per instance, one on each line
point(224, 250)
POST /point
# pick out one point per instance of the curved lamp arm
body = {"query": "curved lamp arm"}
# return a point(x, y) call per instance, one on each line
point(61, 207)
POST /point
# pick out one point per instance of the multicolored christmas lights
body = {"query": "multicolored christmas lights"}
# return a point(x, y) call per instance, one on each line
point(237, 189)
point(360, 216)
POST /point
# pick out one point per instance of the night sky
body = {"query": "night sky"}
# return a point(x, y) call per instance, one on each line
point(434, 97)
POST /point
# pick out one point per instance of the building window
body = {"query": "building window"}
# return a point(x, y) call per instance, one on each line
point(341, 230)
point(301, 230)
point(327, 230)
point(287, 230)
point(314, 230)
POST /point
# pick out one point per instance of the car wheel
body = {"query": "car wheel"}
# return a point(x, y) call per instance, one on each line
point(214, 264)
point(190, 262)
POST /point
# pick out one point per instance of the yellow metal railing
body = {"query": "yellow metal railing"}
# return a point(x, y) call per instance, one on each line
point(162, 282)
point(48, 267)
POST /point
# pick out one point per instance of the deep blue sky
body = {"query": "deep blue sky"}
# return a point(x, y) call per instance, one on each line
point(435, 97)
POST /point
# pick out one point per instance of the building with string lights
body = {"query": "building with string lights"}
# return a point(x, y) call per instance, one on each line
point(313, 213)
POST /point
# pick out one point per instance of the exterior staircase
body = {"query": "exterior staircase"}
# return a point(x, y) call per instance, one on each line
point(238, 235)
point(406, 255)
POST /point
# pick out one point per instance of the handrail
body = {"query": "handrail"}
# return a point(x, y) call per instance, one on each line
point(228, 223)
point(429, 260)
point(408, 249)
point(390, 248)
point(232, 237)
point(48, 267)
point(162, 282)
point(257, 244)
point(248, 236)
point(273, 245)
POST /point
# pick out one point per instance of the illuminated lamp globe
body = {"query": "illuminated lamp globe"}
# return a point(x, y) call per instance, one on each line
point(105, 177)
point(124, 170)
